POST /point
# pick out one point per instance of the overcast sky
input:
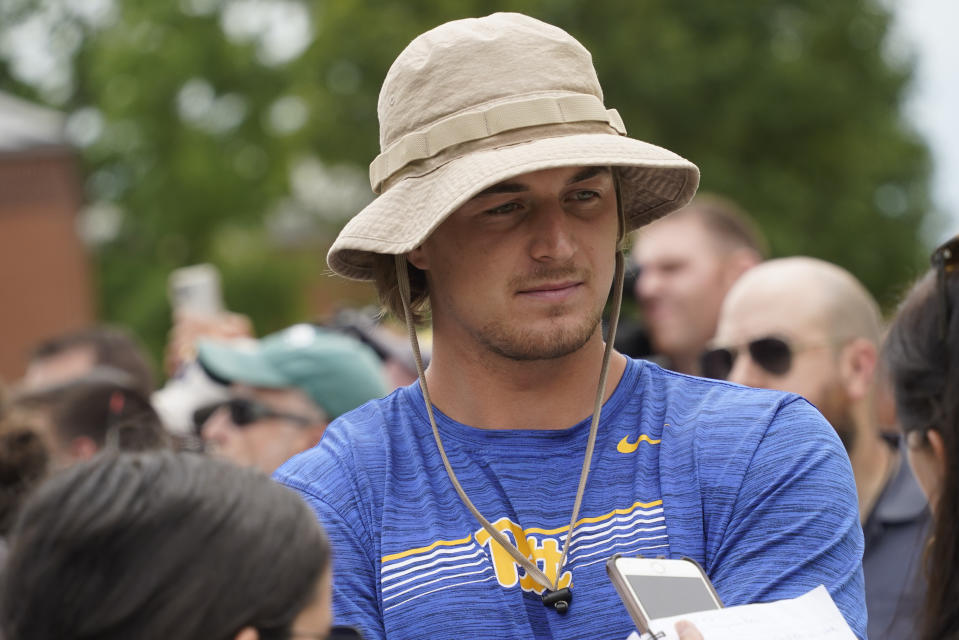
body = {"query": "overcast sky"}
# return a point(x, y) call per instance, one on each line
point(932, 28)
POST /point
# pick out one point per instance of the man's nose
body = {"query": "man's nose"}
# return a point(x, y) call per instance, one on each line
point(745, 371)
point(553, 239)
point(217, 426)
point(648, 285)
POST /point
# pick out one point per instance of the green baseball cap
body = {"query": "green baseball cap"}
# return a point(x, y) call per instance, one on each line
point(338, 372)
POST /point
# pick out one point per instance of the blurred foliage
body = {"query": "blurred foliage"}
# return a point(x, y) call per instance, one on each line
point(218, 144)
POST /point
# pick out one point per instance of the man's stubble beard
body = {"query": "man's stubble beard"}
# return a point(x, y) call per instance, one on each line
point(836, 407)
point(526, 344)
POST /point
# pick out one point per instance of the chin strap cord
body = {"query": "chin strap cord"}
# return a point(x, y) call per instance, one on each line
point(552, 587)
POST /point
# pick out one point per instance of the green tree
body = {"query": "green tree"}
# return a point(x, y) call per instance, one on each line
point(239, 131)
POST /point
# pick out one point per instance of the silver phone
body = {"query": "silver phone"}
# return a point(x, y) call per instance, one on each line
point(654, 588)
point(196, 289)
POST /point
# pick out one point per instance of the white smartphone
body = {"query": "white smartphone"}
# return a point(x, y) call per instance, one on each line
point(654, 588)
point(196, 289)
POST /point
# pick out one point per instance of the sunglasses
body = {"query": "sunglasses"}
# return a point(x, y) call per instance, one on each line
point(244, 412)
point(945, 260)
point(773, 354)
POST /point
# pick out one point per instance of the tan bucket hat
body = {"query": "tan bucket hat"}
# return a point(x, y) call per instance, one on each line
point(474, 102)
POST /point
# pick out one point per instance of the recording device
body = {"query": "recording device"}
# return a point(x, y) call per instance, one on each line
point(196, 290)
point(654, 588)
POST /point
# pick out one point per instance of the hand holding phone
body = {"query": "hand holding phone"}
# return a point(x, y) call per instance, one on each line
point(196, 290)
point(654, 588)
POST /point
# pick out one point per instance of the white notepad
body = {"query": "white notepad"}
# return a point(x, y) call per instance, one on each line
point(812, 616)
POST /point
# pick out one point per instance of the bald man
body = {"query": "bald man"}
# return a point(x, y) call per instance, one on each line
point(807, 326)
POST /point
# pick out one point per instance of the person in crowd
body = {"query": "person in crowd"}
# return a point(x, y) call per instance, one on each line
point(461, 506)
point(76, 419)
point(165, 545)
point(70, 356)
point(810, 327)
point(922, 355)
point(687, 262)
point(45, 431)
point(285, 388)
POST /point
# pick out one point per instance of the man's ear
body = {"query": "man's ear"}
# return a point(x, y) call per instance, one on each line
point(857, 367)
point(248, 633)
point(418, 258)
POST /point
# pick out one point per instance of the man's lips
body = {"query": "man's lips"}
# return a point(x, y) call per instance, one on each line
point(552, 290)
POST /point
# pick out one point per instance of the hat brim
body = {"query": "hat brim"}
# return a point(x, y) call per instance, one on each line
point(231, 365)
point(653, 183)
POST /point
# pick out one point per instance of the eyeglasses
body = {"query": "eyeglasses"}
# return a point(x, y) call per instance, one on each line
point(244, 412)
point(773, 354)
point(945, 260)
point(336, 633)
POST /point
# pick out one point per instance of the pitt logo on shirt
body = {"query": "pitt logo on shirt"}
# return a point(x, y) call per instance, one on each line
point(543, 550)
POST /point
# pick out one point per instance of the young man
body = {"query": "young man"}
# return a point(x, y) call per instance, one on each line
point(505, 189)
point(809, 327)
point(687, 262)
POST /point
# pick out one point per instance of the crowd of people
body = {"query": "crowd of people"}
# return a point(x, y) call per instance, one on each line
point(765, 421)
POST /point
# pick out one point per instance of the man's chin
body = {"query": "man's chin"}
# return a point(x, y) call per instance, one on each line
point(548, 340)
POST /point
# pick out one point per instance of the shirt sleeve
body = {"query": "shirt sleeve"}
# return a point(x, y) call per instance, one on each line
point(795, 523)
point(355, 598)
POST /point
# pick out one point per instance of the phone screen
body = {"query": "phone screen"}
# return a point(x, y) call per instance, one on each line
point(664, 596)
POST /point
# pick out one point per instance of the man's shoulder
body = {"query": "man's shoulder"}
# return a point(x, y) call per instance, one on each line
point(716, 402)
point(359, 439)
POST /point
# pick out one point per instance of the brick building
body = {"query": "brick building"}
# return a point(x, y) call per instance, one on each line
point(45, 284)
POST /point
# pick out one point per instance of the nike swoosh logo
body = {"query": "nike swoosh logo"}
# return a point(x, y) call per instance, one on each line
point(625, 446)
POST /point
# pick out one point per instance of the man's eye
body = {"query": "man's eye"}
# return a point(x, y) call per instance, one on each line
point(585, 195)
point(508, 207)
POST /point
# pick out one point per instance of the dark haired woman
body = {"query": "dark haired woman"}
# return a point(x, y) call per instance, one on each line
point(163, 545)
point(922, 353)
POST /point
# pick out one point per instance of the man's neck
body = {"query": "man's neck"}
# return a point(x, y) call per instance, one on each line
point(873, 463)
point(486, 390)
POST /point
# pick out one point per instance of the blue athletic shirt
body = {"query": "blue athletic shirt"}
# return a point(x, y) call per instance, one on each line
point(753, 484)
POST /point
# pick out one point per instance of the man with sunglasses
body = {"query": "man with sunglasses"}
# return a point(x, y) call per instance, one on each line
point(285, 390)
point(809, 327)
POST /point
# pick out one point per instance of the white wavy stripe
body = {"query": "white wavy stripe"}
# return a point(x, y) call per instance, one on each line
point(651, 516)
point(620, 519)
point(578, 539)
point(606, 553)
point(421, 567)
point(449, 586)
point(396, 564)
point(458, 575)
point(433, 572)
point(605, 543)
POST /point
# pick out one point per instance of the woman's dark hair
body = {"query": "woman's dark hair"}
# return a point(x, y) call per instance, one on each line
point(922, 356)
point(156, 546)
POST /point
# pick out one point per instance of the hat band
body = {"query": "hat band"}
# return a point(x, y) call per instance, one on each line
point(475, 125)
